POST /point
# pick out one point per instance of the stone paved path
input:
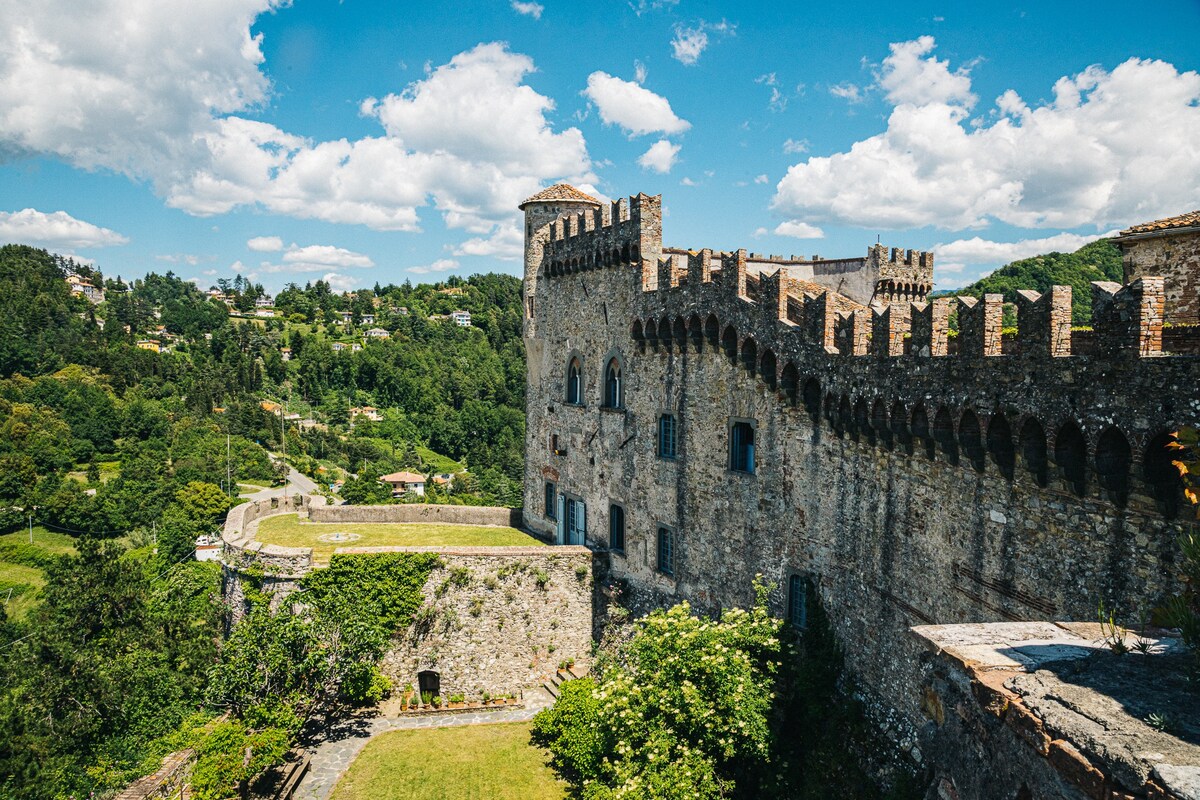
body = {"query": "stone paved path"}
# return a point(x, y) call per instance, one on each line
point(344, 741)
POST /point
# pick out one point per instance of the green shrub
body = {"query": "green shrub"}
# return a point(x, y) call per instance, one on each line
point(365, 685)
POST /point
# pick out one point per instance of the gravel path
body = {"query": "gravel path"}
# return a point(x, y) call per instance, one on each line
point(342, 743)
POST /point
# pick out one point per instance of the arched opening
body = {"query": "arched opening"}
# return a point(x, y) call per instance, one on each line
point(1113, 457)
point(749, 355)
point(843, 421)
point(862, 421)
point(879, 422)
point(1162, 476)
point(616, 256)
point(614, 389)
point(1000, 445)
point(639, 337)
point(1033, 450)
point(970, 440)
point(664, 333)
point(729, 344)
point(830, 408)
point(711, 328)
point(767, 370)
point(429, 684)
point(575, 382)
point(652, 334)
point(625, 253)
point(943, 434)
point(696, 333)
point(789, 381)
point(1070, 456)
point(812, 398)
point(901, 431)
point(920, 430)
point(681, 337)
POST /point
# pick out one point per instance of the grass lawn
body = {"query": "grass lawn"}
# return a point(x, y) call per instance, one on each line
point(477, 761)
point(290, 531)
point(24, 583)
point(437, 461)
point(51, 542)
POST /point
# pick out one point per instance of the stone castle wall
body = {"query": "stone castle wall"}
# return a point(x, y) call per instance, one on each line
point(498, 619)
point(912, 481)
point(494, 619)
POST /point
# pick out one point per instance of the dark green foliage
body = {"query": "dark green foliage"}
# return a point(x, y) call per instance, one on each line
point(383, 588)
point(1098, 261)
point(116, 659)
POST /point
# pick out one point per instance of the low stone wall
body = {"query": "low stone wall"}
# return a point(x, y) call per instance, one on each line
point(242, 550)
point(496, 619)
point(420, 512)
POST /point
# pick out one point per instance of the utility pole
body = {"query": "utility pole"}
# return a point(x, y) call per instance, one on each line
point(228, 475)
point(31, 528)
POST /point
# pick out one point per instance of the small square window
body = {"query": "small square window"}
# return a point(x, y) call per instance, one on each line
point(551, 501)
point(616, 528)
point(666, 551)
point(668, 436)
point(797, 608)
point(741, 447)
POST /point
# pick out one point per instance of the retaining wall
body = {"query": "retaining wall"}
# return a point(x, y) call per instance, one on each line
point(420, 512)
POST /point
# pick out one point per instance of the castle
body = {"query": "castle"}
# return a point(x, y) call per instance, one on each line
point(700, 417)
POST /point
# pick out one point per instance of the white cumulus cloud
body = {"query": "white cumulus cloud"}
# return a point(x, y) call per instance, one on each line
point(690, 42)
point(635, 109)
point(528, 9)
point(799, 230)
point(165, 98)
point(316, 258)
point(265, 244)
point(440, 265)
point(1111, 148)
point(660, 157)
point(977, 252)
point(57, 229)
point(507, 243)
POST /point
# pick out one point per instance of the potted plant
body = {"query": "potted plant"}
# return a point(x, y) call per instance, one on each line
point(487, 698)
point(426, 699)
point(457, 700)
point(437, 701)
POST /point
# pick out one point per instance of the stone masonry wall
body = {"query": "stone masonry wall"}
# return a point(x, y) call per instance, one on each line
point(420, 512)
point(1175, 257)
point(912, 485)
point(498, 620)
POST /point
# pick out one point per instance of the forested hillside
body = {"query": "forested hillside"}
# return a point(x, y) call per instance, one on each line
point(1098, 261)
point(120, 419)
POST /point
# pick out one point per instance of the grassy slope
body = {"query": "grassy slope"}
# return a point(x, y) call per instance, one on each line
point(1098, 261)
point(476, 761)
point(24, 580)
point(289, 531)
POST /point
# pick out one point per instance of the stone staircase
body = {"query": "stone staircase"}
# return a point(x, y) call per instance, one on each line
point(553, 686)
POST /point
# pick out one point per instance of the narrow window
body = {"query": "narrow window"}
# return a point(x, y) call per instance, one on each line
point(551, 501)
point(666, 551)
point(574, 383)
point(797, 609)
point(613, 396)
point(667, 436)
point(741, 447)
point(616, 528)
point(555, 448)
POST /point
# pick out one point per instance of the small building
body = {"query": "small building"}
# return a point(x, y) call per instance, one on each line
point(377, 333)
point(355, 347)
point(401, 310)
point(405, 483)
point(338, 347)
point(1167, 248)
point(346, 317)
point(264, 302)
point(149, 344)
point(208, 548)
point(270, 407)
point(82, 288)
point(264, 313)
point(367, 319)
point(285, 353)
point(461, 318)
point(370, 412)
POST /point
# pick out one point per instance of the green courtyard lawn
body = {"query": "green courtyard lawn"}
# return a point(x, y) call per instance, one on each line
point(289, 530)
point(475, 761)
point(25, 580)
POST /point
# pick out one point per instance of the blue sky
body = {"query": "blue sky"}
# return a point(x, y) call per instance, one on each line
point(368, 142)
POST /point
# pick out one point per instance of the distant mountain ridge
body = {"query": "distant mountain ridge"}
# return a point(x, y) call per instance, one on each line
point(1097, 261)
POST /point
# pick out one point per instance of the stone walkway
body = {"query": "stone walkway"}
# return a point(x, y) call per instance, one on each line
point(347, 738)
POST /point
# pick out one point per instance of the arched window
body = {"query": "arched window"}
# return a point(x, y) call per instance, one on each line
point(614, 389)
point(574, 383)
point(616, 528)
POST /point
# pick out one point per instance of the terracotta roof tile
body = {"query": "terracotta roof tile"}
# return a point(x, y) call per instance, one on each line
point(561, 192)
point(1182, 221)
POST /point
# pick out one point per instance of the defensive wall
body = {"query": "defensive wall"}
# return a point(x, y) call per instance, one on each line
point(494, 619)
point(915, 477)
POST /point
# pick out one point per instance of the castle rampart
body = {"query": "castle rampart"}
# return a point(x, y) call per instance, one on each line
point(914, 476)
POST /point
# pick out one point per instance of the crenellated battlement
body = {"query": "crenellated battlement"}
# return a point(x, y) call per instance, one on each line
point(619, 233)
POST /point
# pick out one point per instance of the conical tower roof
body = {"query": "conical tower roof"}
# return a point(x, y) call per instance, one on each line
point(560, 192)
